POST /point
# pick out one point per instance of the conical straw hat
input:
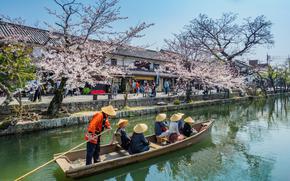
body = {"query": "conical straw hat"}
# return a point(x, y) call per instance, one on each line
point(140, 128)
point(181, 114)
point(175, 117)
point(122, 121)
point(189, 120)
point(160, 117)
point(109, 110)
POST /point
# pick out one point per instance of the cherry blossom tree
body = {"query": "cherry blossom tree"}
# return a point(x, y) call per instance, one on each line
point(76, 58)
point(207, 72)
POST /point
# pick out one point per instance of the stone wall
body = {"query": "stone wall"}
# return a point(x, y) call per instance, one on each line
point(75, 120)
point(96, 105)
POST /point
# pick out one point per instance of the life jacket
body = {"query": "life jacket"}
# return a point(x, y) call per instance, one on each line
point(91, 135)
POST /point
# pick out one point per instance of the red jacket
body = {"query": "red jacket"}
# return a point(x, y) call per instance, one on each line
point(95, 127)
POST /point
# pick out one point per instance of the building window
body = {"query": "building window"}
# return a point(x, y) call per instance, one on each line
point(142, 65)
point(151, 67)
point(113, 62)
point(155, 66)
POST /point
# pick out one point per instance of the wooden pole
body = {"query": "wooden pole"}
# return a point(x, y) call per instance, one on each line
point(47, 163)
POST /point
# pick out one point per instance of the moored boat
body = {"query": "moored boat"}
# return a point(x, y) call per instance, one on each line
point(113, 156)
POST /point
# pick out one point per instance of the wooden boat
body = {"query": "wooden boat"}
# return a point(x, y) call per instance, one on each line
point(113, 156)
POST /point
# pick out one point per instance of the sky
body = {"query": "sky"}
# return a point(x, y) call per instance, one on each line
point(170, 16)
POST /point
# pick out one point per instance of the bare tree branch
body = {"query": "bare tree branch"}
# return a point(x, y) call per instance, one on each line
point(224, 38)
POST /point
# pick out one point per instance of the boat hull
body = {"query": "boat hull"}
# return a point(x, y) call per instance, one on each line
point(127, 159)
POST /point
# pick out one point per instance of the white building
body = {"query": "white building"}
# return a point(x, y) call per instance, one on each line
point(144, 61)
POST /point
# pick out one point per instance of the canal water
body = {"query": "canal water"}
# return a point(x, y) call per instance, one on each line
point(249, 141)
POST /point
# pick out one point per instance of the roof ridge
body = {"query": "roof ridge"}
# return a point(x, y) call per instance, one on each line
point(22, 25)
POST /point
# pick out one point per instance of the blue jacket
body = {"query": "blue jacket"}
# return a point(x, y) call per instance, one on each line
point(138, 143)
point(159, 128)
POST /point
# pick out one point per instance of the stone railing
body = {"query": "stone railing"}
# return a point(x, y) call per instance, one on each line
point(97, 104)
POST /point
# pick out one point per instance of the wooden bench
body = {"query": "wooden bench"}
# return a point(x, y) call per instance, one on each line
point(160, 140)
point(155, 146)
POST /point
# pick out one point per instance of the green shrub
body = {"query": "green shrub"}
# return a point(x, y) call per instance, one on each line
point(126, 108)
point(86, 91)
point(176, 102)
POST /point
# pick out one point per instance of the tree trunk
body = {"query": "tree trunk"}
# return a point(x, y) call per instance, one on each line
point(18, 98)
point(125, 99)
point(57, 99)
point(262, 84)
point(188, 92)
point(9, 97)
point(126, 93)
point(285, 86)
point(264, 90)
point(111, 92)
point(273, 85)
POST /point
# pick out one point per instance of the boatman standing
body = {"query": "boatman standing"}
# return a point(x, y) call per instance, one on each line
point(97, 124)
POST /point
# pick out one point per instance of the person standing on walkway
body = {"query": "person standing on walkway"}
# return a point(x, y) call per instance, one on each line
point(37, 94)
point(137, 88)
point(116, 89)
point(113, 90)
point(134, 86)
point(166, 87)
point(96, 125)
point(153, 92)
point(146, 89)
point(142, 89)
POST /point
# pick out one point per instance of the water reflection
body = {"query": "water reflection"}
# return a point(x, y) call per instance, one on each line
point(121, 178)
point(245, 145)
point(140, 174)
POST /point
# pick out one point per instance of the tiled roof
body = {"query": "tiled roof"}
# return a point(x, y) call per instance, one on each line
point(241, 64)
point(138, 53)
point(25, 33)
point(40, 36)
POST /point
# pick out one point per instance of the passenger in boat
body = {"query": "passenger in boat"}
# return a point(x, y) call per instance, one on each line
point(96, 125)
point(139, 143)
point(160, 127)
point(188, 130)
point(121, 135)
point(180, 123)
point(174, 134)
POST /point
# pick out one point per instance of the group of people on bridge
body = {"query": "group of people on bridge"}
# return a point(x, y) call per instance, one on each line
point(175, 130)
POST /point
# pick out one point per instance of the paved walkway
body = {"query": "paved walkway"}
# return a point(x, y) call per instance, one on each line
point(82, 98)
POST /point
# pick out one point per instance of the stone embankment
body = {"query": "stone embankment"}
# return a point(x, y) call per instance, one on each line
point(92, 105)
point(23, 127)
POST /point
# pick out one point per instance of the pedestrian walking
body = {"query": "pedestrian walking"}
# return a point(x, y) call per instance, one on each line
point(153, 92)
point(146, 89)
point(37, 94)
point(134, 86)
point(166, 87)
point(137, 88)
